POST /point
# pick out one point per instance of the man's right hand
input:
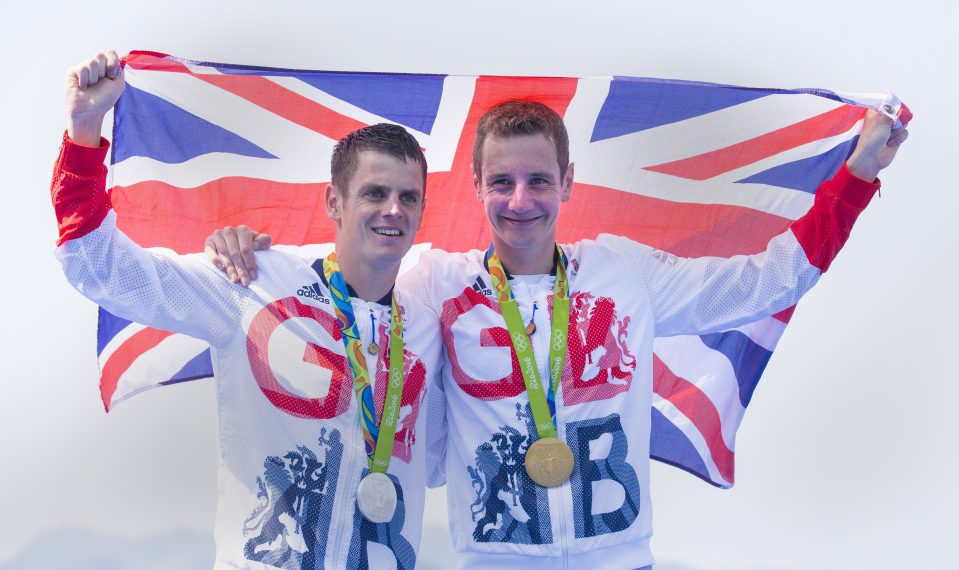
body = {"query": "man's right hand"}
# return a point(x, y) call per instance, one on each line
point(91, 88)
point(231, 250)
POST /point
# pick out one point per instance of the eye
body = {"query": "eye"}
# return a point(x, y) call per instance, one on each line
point(410, 197)
point(500, 183)
point(375, 194)
point(539, 181)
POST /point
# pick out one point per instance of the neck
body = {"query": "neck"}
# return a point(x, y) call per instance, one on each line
point(370, 282)
point(525, 261)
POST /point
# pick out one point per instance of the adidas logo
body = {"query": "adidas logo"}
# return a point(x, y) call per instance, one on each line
point(664, 257)
point(313, 292)
point(480, 286)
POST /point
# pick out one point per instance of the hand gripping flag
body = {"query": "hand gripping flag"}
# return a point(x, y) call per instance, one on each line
point(692, 169)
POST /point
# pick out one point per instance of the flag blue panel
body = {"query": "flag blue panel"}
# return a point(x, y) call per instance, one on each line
point(108, 325)
point(175, 135)
point(635, 105)
point(805, 174)
point(748, 359)
point(669, 445)
point(410, 100)
point(199, 367)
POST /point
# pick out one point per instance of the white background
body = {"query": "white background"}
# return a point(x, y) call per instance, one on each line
point(848, 455)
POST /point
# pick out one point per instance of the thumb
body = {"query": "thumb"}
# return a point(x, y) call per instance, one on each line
point(262, 242)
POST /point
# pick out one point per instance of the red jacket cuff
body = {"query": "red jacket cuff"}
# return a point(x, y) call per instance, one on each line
point(83, 160)
point(77, 189)
point(852, 190)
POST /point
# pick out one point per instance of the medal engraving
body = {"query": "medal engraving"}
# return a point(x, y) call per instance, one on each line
point(549, 462)
point(373, 348)
point(376, 498)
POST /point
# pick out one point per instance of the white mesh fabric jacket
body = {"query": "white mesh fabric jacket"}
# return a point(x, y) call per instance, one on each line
point(622, 295)
point(291, 445)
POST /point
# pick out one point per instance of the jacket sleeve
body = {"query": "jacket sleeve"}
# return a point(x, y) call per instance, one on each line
point(154, 287)
point(708, 294)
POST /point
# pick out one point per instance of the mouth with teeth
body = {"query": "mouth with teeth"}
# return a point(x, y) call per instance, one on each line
point(521, 222)
point(390, 232)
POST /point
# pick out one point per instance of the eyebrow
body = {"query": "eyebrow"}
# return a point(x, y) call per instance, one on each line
point(530, 175)
point(387, 189)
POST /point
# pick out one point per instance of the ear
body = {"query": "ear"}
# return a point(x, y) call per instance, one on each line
point(334, 202)
point(476, 185)
point(567, 183)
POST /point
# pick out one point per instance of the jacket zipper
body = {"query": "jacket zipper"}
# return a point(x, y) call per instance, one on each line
point(564, 543)
point(345, 510)
point(348, 506)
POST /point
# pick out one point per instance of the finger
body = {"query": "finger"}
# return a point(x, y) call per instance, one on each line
point(236, 255)
point(93, 71)
point(876, 125)
point(222, 254)
point(101, 59)
point(72, 78)
point(245, 239)
point(210, 254)
point(262, 242)
point(82, 74)
point(898, 137)
point(112, 64)
point(231, 245)
point(209, 250)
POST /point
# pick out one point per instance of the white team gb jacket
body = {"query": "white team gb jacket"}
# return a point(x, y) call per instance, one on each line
point(622, 295)
point(291, 444)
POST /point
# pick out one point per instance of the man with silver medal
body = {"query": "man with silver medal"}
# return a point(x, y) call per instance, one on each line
point(281, 448)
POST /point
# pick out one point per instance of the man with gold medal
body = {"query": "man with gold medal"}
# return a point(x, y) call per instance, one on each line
point(547, 458)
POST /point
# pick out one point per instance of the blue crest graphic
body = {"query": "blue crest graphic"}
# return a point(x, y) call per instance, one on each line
point(509, 506)
point(288, 527)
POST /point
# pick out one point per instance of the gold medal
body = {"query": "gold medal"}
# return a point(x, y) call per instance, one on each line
point(531, 328)
point(373, 348)
point(549, 462)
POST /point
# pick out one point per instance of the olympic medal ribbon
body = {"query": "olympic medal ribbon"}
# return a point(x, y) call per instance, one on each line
point(379, 438)
point(543, 405)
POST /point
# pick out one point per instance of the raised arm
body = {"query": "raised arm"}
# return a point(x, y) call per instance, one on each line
point(91, 89)
point(156, 288)
point(693, 296)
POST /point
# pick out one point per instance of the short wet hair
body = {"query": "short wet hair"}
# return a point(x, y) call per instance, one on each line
point(520, 117)
point(389, 139)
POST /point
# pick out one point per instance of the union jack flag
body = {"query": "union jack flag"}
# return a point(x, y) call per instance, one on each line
point(691, 169)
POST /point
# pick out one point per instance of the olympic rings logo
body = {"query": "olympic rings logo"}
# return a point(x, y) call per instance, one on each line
point(559, 340)
point(520, 342)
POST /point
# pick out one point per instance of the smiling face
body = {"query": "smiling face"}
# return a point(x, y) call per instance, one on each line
point(378, 215)
point(521, 187)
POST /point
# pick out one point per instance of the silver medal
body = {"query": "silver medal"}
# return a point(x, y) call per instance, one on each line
point(376, 498)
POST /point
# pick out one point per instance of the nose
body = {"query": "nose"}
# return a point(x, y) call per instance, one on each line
point(392, 205)
point(520, 199)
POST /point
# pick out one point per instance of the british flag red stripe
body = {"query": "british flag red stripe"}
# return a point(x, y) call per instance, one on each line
point(692, 169)
point(714, 163)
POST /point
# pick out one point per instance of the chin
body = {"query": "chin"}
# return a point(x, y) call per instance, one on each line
point(523, 239)
point(390, 255)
